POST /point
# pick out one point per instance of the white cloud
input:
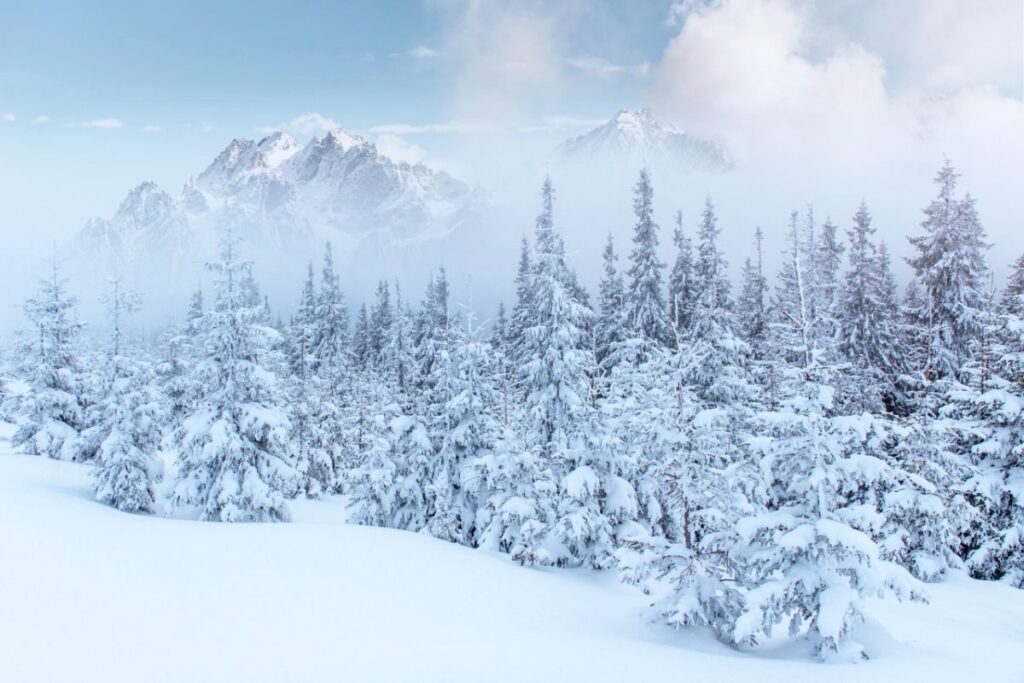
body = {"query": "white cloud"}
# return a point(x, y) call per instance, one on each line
point(834, 106)
point(40, 120)
point(152, 129)
point(8, 117)
point(399, 149)
point(754, 72)
point(681, 9)
point(102, 123)
point(435, 128)
point(564, 122)
point(421, 52)
point(506, 55)
point(599, 67)
point(304, 125)
point(940, 43)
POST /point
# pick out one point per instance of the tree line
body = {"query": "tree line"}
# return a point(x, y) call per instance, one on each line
point(754, 459)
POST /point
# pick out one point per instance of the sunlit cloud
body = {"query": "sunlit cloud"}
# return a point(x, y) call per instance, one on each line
point(304, 125)
point(428, 128)
point(599, 67)
point(418, 52)
point(102, 123)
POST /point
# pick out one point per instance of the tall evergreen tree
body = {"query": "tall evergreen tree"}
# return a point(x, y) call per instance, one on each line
point(54, 414)
point(233, 458)
point(610, 328)
point(361, 352)
point(556, 360)
point(381, 319)
point(950, 267)
point(682, 291)
point(522, 309)
point(645, 309)
point(331, 338)
point(752, 303)
point(867, 329)
point(1012, 301)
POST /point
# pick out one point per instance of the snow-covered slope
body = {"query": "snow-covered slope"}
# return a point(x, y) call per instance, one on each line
point(637, 136)
point(92, 594)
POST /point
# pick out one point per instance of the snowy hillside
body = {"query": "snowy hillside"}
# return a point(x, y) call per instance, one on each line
point(639, 137)
point(93, 594)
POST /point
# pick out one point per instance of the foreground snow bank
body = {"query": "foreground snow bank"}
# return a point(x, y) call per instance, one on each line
point(91, 594)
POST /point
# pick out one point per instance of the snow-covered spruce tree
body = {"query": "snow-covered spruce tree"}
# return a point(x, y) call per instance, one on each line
point(172, 370)
point(868, 336)
point(469, 431)
point(501, 347)
point(361, 340)
point(681, 288)
point(949, 265)
point(432, 345)
point(310, 412)
point(375, 480)
point(516, 493)
point(827, 255)
point(232, 450)
point(712, 361)
point(522, 309)
point(1012, 301)
point(54, 412)
point(792, 325)
point(556, 359)
point(752, 302)
point(381, 318)
point(129, 435)
point(699, 445)
point(333, 368)
point(597, 505)
point(702, 486)
point(609, 330)
point(645, 310)
point(399, 370)
point(987, 414)
point(128, 420)
point(802, 560)
point(914, 334)
point(925, 513)
point(330, 348)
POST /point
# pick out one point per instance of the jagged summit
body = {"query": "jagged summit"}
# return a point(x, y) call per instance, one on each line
point(277, 148)
point(336, 185)
point(285, 199)
point(638, 136)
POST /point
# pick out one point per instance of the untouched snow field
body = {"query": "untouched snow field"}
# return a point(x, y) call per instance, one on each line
point(88, 593)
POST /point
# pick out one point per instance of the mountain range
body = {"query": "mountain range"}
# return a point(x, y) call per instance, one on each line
point(285, 198)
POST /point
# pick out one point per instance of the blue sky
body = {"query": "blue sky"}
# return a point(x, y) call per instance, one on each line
point(98, 96)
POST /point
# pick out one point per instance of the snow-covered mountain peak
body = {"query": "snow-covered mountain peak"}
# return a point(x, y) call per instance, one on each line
point(285, 197)
point(638, 135)
point(277, 148)
point(326, 157)
point(239, 161)
point(343, 139)
point(145, 205)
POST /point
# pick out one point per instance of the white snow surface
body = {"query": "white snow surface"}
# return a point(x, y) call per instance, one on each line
point(92, 594)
